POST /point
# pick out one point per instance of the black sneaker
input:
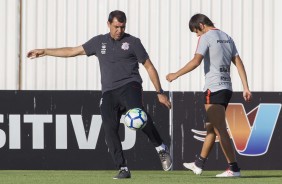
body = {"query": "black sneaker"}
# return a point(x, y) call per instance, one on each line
point(165, 159)
point(123, 174)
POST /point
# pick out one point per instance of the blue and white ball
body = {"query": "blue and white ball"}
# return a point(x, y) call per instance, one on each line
point(135, 119)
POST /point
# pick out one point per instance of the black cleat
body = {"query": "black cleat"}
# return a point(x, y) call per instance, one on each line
point(123, 174)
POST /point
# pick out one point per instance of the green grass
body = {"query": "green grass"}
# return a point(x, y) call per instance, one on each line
point(138, 177)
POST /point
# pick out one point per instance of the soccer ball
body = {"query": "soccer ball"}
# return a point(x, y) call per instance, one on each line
point(135, 119)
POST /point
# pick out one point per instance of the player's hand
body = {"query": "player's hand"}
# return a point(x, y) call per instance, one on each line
point(36, 53)
point(164, 100)
point(247, 95)
point(171, 77)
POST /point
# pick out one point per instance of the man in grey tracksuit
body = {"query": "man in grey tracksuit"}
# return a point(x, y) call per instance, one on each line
point(119, 56)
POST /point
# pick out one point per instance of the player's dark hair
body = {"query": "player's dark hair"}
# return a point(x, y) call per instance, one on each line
point(119, 15)
point(196, 19)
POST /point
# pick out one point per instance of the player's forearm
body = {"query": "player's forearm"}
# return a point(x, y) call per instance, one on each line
point(153, 74)
point(154, 77)
point(191, 65)
point(61, 52)
point(243, 75)
point(242, 72)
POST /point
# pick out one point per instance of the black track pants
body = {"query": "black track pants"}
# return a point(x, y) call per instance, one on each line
point(113, 104)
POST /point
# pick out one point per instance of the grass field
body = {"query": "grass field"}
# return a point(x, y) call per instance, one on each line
point(138, 177)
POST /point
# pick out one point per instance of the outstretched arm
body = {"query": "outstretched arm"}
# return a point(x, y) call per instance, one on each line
point(154, 77)
point(191, 65)
point(242, 73)
point(57, 52)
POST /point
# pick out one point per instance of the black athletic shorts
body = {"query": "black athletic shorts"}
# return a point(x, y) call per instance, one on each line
point(221, 97)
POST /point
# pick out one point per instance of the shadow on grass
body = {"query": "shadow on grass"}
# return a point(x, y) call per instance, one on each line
point(242, 177)
point(263, 176)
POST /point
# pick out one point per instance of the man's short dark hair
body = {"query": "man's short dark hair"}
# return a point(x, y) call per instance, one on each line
point(119, 15)
point(196, 19)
